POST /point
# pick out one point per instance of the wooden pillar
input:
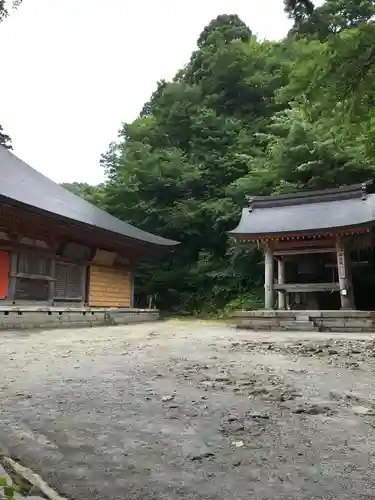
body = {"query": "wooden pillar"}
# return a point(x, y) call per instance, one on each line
point(83, 271)
point(351, 289)
point(132, 298)
point(268, 278)
point(12, 278)
point(346, 294)
point(281, 281)
point(51, 284)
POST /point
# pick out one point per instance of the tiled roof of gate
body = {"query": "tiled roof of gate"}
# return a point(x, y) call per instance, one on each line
point(308, 212)
point(21, 185)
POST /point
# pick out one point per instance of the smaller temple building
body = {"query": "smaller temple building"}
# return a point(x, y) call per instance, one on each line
point(317, 247)
point(64, 261)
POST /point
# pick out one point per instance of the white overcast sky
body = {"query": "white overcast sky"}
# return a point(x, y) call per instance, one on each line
point(71, 71)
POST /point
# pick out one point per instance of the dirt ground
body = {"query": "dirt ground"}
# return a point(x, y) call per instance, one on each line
point(191, 410)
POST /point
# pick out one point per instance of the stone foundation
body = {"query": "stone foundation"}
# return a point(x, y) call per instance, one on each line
point(15, 318)
point(328, 321)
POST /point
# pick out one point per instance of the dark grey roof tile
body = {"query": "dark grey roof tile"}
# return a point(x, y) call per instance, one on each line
point(306, 217)
point(22, 184)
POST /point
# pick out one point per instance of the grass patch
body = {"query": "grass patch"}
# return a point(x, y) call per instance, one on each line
point(16, 484)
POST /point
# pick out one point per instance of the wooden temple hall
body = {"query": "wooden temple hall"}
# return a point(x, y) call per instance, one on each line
point(64, 261)
point(317, 246)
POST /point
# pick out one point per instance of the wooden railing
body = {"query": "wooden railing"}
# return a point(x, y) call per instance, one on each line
point(306, 287)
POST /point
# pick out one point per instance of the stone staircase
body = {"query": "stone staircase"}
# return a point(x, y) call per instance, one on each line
point(308, 321)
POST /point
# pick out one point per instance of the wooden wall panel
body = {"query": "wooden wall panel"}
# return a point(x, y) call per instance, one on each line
point(109, 287)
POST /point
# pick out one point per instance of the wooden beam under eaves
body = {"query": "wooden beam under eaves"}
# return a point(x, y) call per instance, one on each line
point(303, 251)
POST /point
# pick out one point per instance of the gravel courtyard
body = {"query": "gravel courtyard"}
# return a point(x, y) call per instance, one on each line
point(191, 410)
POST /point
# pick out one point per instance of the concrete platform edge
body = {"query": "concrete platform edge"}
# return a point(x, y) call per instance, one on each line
point(15, 318)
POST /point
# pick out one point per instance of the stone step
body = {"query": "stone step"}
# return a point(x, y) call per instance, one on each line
point(302, 317)
point(307, 326)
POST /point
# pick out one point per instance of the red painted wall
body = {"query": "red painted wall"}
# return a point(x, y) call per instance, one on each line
point(4, 274)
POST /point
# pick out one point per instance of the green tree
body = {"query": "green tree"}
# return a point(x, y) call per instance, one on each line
point(332, 17)
point(93, 194)
point(243, 117)
point(305, 151)
point(5, 140)
point(340, 69)
point(4, 9)
point(299, 10)
point(169, 170)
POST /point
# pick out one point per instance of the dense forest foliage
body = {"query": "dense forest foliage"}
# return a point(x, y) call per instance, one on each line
point(242, 117)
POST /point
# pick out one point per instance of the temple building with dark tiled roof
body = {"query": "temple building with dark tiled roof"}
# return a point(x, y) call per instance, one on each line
point(63, 256)
point(317, 247)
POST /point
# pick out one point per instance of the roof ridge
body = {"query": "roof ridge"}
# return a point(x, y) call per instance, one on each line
point(306, 197)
